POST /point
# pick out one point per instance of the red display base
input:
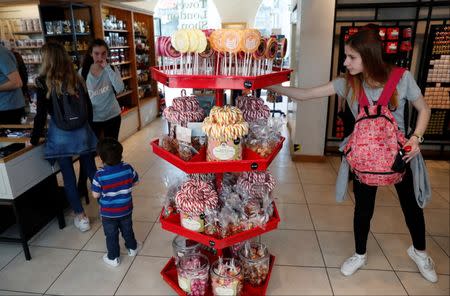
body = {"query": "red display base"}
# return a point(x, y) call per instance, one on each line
point(169, 274)
point(252, 161)
point(172, 223)
point(221, 81)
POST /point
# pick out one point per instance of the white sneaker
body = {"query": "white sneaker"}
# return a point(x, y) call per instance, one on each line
point(113, 263)
point(82, 223)
point(352, 264)
point(424, 263)
point(134, 252)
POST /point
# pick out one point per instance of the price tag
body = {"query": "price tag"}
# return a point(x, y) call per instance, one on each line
point(184, 134)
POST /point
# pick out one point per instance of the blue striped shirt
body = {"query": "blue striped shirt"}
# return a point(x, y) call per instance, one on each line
point(114, 183)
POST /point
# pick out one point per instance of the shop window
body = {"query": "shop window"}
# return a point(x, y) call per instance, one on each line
point(187, 14)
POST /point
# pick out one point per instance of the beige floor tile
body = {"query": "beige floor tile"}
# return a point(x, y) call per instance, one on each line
point(69, 237)
point(443, 192)
point(98, 242)
point(144, 278)
point(317, 176)
point(388, 220)
point(335, 162)
point(142, 166)
point(444, 243)
point(38, 274)
point(289, 193)
point(87, 274)
point(294, 216)
point(332, 218)
point(8, 293)
point(338, 246)
point(385, 197)
point(323, 194)
point(305, 166)
point(395, 245)
point(437, 221)
point(289, 280)
point(285, 175)
point(437, 201)
point(146, 208)
point(366, 282)
point(158, 242)
point(8, 251)
point(439, 180)
point(415, 284)
point(294, 247)
point(282, 160)
point(150, 187)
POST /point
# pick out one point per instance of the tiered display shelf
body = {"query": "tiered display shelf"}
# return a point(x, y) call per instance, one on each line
point(251, 161)
point(169, 274)
point(198, 164)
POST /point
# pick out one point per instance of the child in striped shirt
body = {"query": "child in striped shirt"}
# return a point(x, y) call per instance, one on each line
point(112, 185)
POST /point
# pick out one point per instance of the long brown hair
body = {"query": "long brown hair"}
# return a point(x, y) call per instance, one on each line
point(368, 44)
point(57, 68)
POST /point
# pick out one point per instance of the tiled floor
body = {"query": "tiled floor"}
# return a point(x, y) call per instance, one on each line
point(313, 239)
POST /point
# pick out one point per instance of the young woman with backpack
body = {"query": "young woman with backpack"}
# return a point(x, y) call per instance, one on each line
point(103, 81)
point(62, 94)
point(378, 94)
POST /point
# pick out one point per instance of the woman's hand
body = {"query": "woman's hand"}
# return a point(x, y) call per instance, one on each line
point(413, 142)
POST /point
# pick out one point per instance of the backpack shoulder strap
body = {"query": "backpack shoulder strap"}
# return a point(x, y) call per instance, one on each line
point(389, 88)
point(362, 97)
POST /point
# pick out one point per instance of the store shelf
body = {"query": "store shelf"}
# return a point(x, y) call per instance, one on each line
point(125, 113)
point(121, 63)
point(169, 274)
point(172, 223)
point(116, 31)
point(28, 33)
point(118, 47)
point(220, 81)
point(125, 93)
point(198, 164)
point(27, 47)
point(67, 34)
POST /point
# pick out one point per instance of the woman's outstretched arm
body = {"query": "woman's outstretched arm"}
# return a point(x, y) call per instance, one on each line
point(304, 94)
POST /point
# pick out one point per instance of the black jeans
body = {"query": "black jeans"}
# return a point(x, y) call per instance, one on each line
point(109, 128)
point(12, 116)
point(111, 228)
point(365, 204)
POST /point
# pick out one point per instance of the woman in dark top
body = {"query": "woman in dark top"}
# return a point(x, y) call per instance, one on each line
point(57, 76)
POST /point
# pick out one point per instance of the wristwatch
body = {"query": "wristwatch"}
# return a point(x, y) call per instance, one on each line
point(419, 137)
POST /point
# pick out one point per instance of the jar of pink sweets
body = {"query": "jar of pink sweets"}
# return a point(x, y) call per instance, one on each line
point(193, 274)
point(255, 260)
point(226, 277)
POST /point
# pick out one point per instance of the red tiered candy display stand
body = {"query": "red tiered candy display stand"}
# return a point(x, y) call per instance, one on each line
point(169, 274)
point(198, 164)
point(172, 223)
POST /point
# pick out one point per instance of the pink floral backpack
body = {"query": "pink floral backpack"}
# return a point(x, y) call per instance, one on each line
point(376, 138)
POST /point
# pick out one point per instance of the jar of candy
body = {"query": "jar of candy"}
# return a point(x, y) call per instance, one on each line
point(193, 274)
point(255, 260)
point(182, 247)
point(192, 222)
point(227, 277)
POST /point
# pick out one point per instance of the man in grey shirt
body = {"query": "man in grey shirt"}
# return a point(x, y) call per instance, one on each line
point(12, 101)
